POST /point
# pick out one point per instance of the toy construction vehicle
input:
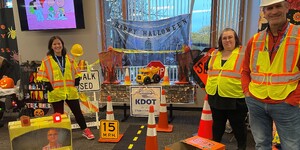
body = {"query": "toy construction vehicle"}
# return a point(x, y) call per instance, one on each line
point(148, 75)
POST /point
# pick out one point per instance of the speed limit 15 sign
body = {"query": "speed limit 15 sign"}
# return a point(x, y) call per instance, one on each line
point(109, 129)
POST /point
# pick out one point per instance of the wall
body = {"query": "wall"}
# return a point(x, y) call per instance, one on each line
point(33, 45)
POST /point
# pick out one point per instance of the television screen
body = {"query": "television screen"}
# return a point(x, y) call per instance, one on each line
point(50, 14)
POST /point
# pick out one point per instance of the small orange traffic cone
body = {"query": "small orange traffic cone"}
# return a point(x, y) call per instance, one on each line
point(82, 65)
point(166, 80)
point(151, 139)
point(33, 97)
point(163, 125)
point(127, 78)
point(110, 116)
point(109, 110)
point(38, 96)
point(205, 125)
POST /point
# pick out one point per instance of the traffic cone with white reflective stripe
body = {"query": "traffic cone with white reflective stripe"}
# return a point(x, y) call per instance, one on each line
point(163, 125)
point(110, 116)
point(166, 80)
point(205, 125)
point(127, 78)
point(151, 139)
point(109, 110)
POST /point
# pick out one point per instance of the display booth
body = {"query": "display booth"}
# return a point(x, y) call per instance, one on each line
point(41, 133)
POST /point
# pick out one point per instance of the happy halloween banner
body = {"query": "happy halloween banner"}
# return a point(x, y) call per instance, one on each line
point(162, 35)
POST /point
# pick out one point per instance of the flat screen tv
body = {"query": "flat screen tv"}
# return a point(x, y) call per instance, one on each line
point(50, 14)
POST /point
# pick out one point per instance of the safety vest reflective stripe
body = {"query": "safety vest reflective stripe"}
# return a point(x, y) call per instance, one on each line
point(291, 49)
point(228, 73)
point(258, 46)
point(239, 60)
point(48, 70)
point(269, 79)
point(213, 57)
point(60, 83)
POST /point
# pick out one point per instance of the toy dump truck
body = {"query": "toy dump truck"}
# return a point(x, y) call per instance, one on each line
point(148, 75)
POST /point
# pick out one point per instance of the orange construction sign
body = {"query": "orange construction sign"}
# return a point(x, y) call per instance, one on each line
point(199, 66)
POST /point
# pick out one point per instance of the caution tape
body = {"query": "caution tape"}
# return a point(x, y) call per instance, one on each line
point(134, 51)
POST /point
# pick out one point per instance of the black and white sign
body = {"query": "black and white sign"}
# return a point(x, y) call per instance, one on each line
point(89, 81)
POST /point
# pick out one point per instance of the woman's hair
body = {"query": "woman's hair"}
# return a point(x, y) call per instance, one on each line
point(237, 40)
point(51, 51)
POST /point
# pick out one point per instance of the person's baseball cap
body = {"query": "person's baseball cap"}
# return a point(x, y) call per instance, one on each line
point(269, 2)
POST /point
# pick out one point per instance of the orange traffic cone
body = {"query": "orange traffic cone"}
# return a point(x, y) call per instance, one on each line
point(110, 116)
point(33, 95)
point(38, 96)
point(127, 78)
point(205, 125)
point(166, 80)
point(151, 139)
point(109, 110)
point(163, 125)
point(82, 65)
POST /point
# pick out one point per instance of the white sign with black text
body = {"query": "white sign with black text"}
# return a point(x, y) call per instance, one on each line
point(89, 81)
point(141, 97)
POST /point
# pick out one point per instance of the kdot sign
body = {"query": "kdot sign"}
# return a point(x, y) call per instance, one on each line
point(89, 81)
point(160, 65)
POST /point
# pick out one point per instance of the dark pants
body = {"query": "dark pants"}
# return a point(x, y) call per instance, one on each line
point(75, 108)
point(237, 122)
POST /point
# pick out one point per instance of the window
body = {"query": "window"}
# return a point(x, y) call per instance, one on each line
point(5, 3)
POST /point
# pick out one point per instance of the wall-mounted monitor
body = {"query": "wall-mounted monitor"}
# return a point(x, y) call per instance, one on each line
point(50, 14)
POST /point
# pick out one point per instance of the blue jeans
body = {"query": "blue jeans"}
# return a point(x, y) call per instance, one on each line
point(287, 121)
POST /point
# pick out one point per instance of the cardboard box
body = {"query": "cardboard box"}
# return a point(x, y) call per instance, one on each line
point(196, 143)
point(40, 133)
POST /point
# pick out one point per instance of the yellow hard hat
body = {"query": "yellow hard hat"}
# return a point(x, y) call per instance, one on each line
point(77, 50)
point(269, 2)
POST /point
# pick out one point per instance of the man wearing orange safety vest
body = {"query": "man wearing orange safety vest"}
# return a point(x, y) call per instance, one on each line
point(270, 79)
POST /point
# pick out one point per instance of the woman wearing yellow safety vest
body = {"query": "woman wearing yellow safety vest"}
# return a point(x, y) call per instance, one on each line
point(61, 76)
point(224, 89)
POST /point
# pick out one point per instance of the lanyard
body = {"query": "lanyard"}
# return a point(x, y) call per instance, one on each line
point(61, 65)
point(276, 48)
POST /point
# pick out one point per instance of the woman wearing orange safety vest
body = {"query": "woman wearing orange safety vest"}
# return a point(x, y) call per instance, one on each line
point(61, 76)
point(225, 95)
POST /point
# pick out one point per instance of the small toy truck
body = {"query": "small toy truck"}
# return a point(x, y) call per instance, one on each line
point(148, 75)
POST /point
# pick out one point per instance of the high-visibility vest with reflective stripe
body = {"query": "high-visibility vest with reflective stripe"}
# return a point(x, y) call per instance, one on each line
point(279, 79)
point(227, 78)
point(63, 84)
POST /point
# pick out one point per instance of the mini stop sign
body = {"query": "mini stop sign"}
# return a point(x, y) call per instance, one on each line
point(159, 64)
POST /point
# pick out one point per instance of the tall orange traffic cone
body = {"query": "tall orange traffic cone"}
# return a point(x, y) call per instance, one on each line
point(151, 139)
point(109, 110)
point(163, 125)
point(127, 78)
point(205, 125)
point(166, 80)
